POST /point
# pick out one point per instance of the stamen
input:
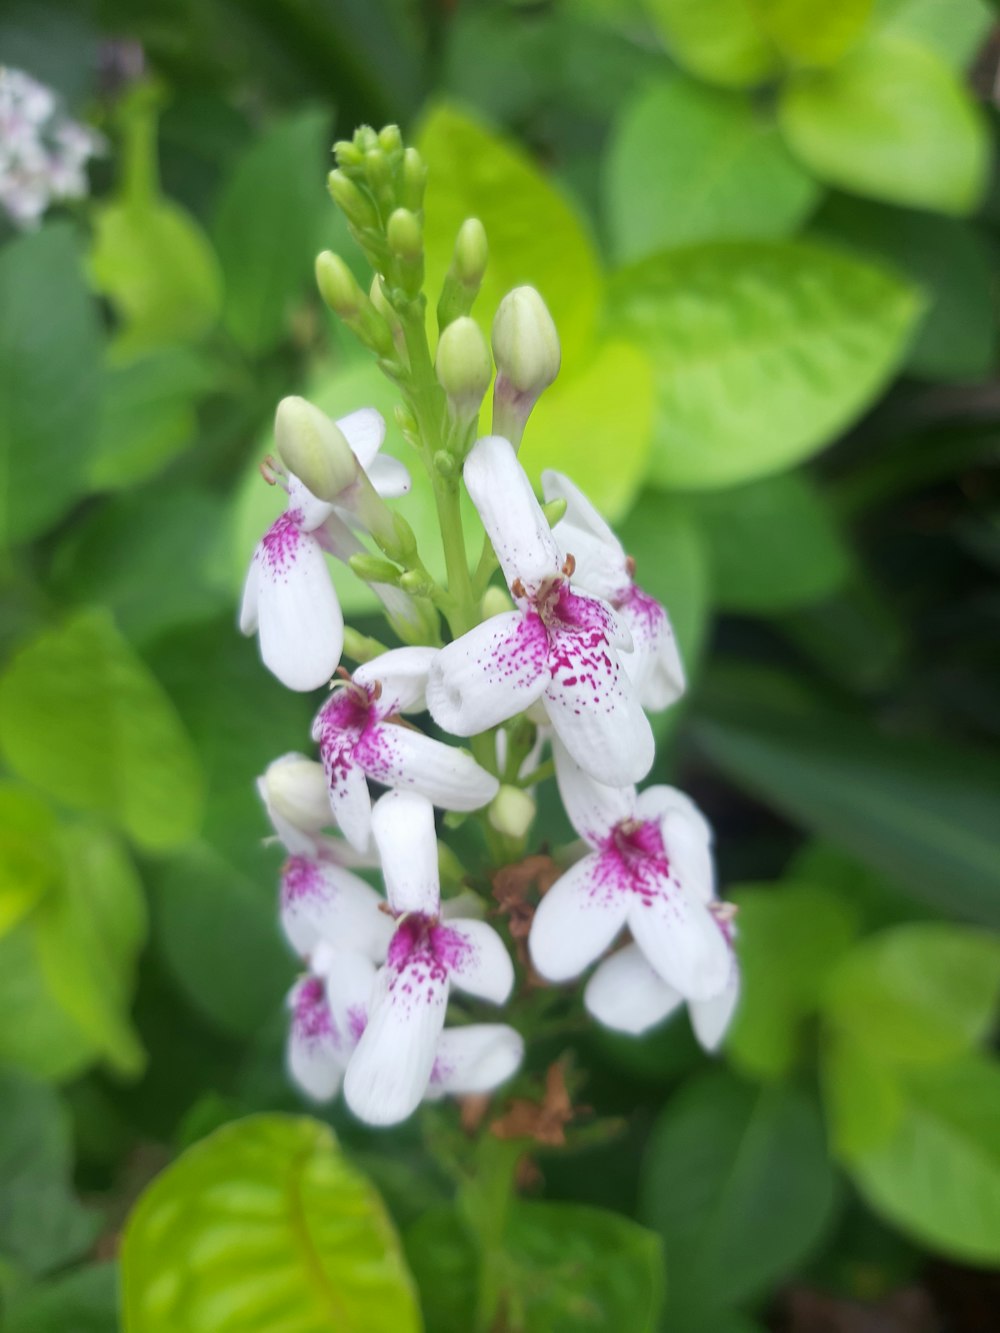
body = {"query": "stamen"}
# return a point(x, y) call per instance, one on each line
point(569, 565)
point(724, 912)
point(376, 693)
point(517, 588)
point(630, 566)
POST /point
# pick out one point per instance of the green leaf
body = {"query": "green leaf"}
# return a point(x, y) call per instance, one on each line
point(812, 32)
point(893, 122)
point(918, 994)
point(923, 813)
point(83, 718)
point(861, 1094)
point(719, 40)
point(37, 1036)
point(954, 29)
point(689, 163)
point(535, 235)
point(50, 351)
point(738, 1184)
point(790, 936)
point(85, 1302)
point(938, 1177)
point(284, 1229)
point(773, 544)
point(764, 352)
point(29, 865)
point(268, 227)
point(42, 1226)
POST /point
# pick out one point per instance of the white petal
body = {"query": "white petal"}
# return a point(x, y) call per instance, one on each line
point(299, 622)
point(350, 800)
point(389, 477)
point(337, 539)
point(321, 901)
point(575, 922)
point(711, 1018)
point(350, 984)
point(364, 431)
point(627, 995)
point(313, 1053)
point(477, 1058)
point(308, 510)
point(490, 674)
point(251, 595)
point(402, 675)
point(682, 941)
point(584, 534)
point(403, 829)
point(476, 959)
point(518, 529)
point(450, 778)
point(391, 1066)
point(593, 808)
point(655, 665)
point(687, 838)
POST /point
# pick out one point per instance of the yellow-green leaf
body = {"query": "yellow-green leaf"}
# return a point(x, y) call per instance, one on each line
point(719, 40)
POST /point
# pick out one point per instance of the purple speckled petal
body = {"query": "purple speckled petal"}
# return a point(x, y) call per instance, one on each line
point(681, 941)
point(313, 1052)
point(576, 921)
point(627, 995)
point(518, 529)
point(655, 665)
point(593, 807)
point(687, 836)
point(491, 674)
point(476, 959)
point(403, 829)
point(402, 676)
point(350, 984)
point(584, 534)
point(320, 900)
point(476, 1058)
point(309, 510)
point(338, 728)
point(448, 777)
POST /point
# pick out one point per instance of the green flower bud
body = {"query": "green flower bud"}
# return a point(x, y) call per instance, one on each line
point(468, 264)
point(415, 582)
point(463, 367)
point(390, 140)
point(348, 155)
point(378, 174)
point(405, 235)
point(340, 290)
point(314, 448)
point(295, 788)
point(373, 568)
point(495, 602)
point(525, 342)
point(360, 647)
point(512, 811)
point(359, 210)
point(414, 180)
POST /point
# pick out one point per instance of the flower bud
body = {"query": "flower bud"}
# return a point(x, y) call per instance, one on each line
point(465, 275)
point(294, 788)
point(356, 206)
point(463, 367)
point(314, 448)
point(414, 180)
point(495, 603)
point(525, 342)
point(405, 235)
point(389, 139)
point(512, 811)
point(373, 568)
point(340, 290)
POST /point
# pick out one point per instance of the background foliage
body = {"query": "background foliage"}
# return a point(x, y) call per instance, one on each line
point(767, 231)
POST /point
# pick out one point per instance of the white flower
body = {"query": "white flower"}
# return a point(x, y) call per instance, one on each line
point(559, 647)
point(391, 1069)
point(323, 902)
point(650, 869)
point(603, 569)
point(288, 598)
point(360, 735)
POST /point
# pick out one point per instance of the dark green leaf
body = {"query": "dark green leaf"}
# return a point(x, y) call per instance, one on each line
point(82, 1302)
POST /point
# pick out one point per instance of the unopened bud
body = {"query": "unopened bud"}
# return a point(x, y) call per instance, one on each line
point(414, 180)
point(342, 293)
point(463, 367)
point(525, 342)
point(405, 235)
point(512, 811)
point(495, 603)
point(415, 582)
point(373, 568)
point(389, 139)
point(352, 202)
point(465, 275)
point(314, 448)
point(378, 174)
point(294, 788)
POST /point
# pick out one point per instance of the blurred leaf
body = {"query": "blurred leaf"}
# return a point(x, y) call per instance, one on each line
point(284, 1229)
point(42, 1226)
point(856, 637)
point(789, 937)
point(147, 416)
point(949, 261)
point(955, 29)
point(534, 234)
point(874, 901)
point(764, 352)
point(773, 543)
point(610, 397)
point(50, 350)
point(83, 718)
point(812, 32)
point(861, 1096)
point(938, 1177)
point(919, 993)
point(922, 813)
point(82, 1302)
point(29, 865)
point(689, 163)
point(737, 1182)
point(37, 1036)
point(893, 122)
point(268, 226)
point(719, 40)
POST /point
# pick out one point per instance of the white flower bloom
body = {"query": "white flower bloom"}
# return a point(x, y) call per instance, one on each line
point(603, 569)
point(323, 902)
point(289, 599)
point(360, 735)
point(650, 869)
point(476, 1058)
point(559, 648)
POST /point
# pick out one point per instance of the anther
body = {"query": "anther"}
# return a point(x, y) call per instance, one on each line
point(569, 565)
point(630, 566)
point(517, 588)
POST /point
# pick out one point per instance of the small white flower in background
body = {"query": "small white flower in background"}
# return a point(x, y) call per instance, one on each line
point(559, 647)
point(603, 569)
point(289, 599)
point(650, 869)
point(43, 154)
point(322, 901)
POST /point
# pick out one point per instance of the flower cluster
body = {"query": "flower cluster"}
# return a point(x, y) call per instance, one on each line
point(569, 657)
point(43, 153)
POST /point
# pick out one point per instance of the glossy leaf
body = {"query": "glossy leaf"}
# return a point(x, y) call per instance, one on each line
point(264, 1221)
point(719, 40)
point(764, 352)
point(811, 32)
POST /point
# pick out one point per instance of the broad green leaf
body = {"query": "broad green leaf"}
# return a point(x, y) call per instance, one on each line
point(147, 416)
point(921, 813)
point(955, 29)
point(790, 936)
point(861, 1095)
point(268, 226)
point(535, 235)
point(690, 163)
point(596, 425)
point(568, 1269)
point(50, 350)
point(42, 1226)
point(738, 1184)
point(893, 122)
point(85, 1301)
point(83, 718)
point(874, 901)
point(938, 1177)
point(264, 1223)
point(719, 40)
point(29, 863)
point(37, 1036)
point(855, 637)
point(764, 352)
point(772, 544)
point(812, 32)
point(919, 993)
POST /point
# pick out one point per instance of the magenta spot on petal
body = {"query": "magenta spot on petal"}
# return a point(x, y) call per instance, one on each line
point(312, 1021)
point(301, 878)
point(357, 1021)
point(280, 543)
point(633, 859)
point(644, 614)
